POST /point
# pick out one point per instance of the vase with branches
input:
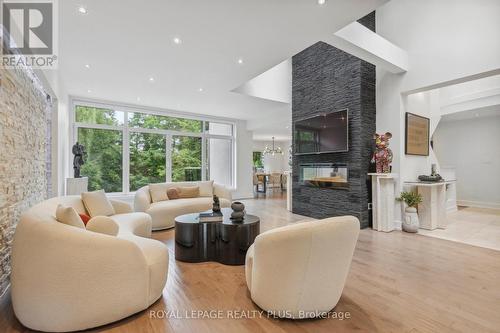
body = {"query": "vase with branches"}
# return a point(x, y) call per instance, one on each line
point(411, 199)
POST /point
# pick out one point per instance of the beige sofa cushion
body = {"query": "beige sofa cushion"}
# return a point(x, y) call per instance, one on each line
point(158, 192)
point(206, 188)
point(164, 213)
point(68, 215)
point(97, 204)
point(189, 192)
point(103, 225)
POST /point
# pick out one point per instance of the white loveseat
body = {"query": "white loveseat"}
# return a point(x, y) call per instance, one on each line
point(163, 213)
point(65, 278)
point(299, 271)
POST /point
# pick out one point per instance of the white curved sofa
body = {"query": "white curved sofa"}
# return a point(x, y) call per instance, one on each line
point(65, 278)
point(299, 271)
point(163, 213)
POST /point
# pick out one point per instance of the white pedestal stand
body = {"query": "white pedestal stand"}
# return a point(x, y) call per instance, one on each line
point(383, 201)
point(75, 186)
point(432, 210)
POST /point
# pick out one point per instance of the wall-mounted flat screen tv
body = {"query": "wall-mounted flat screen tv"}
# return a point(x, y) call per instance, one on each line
point(324, 133)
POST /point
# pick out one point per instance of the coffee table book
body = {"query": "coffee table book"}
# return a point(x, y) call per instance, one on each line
point(211, 217)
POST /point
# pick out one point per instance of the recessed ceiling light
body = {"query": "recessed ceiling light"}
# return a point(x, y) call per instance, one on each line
point(138, 99)
point(200, 89)
point(151, 79)
point(240, 61)
point(287, 127)
point(87, 66)
point(321, 2)
point(89, 91)
point(177, 40)
point(82, 10)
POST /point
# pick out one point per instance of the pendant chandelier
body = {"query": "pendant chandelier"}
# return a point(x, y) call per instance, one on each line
point(272, 151)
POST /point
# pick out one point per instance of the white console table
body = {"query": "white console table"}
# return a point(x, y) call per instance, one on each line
point(432, 210)
point(383, 200)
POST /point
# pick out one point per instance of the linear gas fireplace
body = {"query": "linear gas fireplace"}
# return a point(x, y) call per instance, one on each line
point(324, 175)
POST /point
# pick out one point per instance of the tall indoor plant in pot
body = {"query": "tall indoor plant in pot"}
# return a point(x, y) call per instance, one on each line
point(411, 199)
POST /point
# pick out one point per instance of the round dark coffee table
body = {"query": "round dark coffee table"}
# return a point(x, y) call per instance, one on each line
point(226, 242)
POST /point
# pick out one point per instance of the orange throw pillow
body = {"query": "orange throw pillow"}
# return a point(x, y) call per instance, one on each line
point(85, 218)
point(173, 193)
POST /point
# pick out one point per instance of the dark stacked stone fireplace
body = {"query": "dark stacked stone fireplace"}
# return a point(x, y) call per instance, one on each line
point(327, 79)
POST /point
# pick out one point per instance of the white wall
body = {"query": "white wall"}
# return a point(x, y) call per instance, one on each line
point(244, 159)
point(446, 40)
point(274, 84)
point(472, 147)
point(425, 104)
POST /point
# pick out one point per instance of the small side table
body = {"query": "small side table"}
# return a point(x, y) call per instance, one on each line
point(432, 210)
point(383, 200)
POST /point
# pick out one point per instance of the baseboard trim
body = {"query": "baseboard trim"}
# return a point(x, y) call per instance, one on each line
point(478, 204)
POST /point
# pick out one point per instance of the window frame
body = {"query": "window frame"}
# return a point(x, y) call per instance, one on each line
point(126, 130)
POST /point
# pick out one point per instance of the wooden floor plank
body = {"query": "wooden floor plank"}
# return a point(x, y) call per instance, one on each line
point(398, 283)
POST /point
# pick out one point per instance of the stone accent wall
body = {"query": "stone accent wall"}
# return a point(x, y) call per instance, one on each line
point(24, 153)
point(328, 79)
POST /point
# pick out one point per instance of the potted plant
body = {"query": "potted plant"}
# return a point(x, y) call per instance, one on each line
point(410, 221)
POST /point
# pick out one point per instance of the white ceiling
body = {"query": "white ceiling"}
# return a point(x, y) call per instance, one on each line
point(491, 111)
point(126, 42)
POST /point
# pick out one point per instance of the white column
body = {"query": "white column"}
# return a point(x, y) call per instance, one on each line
point(383, 201)
point(432, 210)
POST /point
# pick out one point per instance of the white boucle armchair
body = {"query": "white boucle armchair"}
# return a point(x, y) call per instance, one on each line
point(299, 271)
point(65, 278)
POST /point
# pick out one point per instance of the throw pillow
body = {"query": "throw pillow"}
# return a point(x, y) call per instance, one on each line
point(85, 218)
point(173, 193)
point(103, 225)
point(206, 188)
point(69, 216)
point(97, 204)
point(189, 192)
point(158, 192)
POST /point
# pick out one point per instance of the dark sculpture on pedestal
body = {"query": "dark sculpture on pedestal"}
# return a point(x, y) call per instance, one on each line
point(79, 159)
point(216, 204)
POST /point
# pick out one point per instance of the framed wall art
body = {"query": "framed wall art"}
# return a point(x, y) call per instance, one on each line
point(417, 135)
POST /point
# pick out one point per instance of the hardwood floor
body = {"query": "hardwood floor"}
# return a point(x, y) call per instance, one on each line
point(398, 283)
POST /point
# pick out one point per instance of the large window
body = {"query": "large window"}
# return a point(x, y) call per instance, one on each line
point(128, 148)
point(186, 158)
point(141, 120)
point(147, 159)
point(104, 158)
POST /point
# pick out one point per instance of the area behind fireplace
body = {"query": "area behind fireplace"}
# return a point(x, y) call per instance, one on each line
point(324, 175)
